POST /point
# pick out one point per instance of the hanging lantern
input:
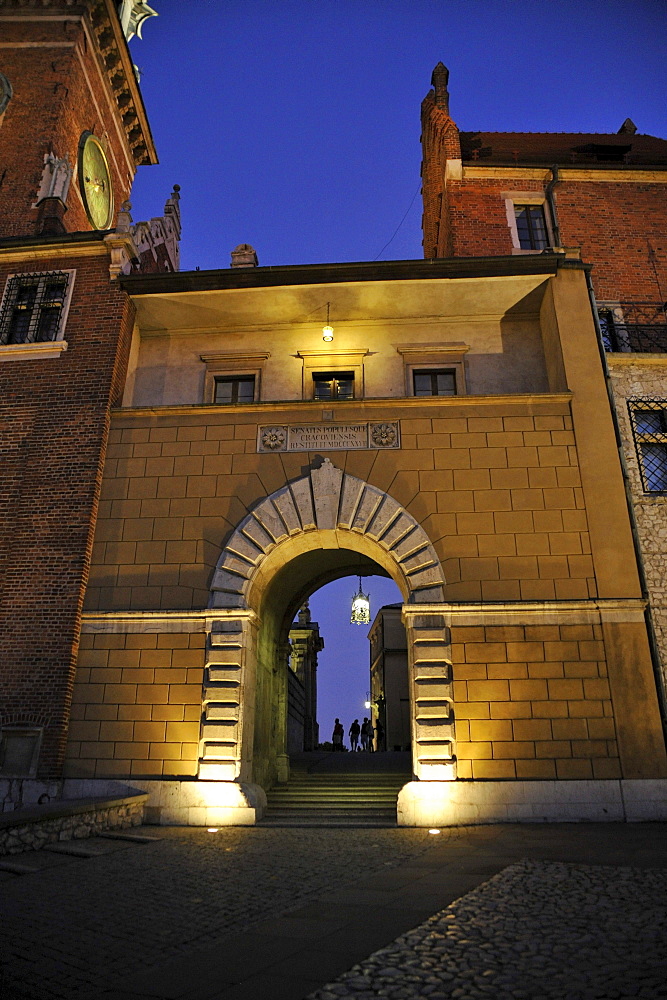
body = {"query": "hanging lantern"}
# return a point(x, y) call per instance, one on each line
point(327, 331)
point(361, 608)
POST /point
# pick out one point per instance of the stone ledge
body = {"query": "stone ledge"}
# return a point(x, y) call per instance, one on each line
point(32, 828)
point(469, 803)
point(185, 802)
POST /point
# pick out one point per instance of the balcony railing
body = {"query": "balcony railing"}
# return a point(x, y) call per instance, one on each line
point(634, 328)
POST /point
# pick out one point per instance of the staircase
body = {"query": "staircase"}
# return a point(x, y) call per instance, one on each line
point(339, 790)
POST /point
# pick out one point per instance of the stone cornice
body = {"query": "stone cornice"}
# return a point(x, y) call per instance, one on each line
point(538, 263)
point(160, 621)
point(638, 360)
point(51, 251)
point(267, 408)
point(120, 73)
point(534, 612)
point(604, 174)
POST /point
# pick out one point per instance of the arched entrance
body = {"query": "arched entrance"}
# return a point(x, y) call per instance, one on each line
point(322, 526)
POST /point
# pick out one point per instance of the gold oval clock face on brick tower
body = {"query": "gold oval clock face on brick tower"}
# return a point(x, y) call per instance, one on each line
point(95, 182)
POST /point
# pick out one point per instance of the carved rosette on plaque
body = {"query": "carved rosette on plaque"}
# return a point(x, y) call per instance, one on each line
point(329, 437)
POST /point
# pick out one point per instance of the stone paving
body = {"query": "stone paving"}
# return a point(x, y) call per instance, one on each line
point(81, 922)
point(274, 914)
point(537, 929)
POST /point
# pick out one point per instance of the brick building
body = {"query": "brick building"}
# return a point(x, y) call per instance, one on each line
point(606, 195)
point(188, 456)
point(73, 130)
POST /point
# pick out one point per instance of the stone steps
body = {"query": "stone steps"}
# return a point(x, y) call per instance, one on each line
point(337, 791)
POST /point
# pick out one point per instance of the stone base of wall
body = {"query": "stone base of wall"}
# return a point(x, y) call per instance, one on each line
point(20, 793)
point(29, 829)
point(185, 803)
point(466, 803)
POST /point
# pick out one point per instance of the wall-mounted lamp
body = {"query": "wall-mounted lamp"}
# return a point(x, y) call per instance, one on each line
point(327, 331)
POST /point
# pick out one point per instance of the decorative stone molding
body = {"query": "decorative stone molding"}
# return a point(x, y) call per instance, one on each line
point(56, 178)
point(329, 437)
point(122, 78)
point(158, 241)
point(327, 499)
point(122, 251)
point(431, 692)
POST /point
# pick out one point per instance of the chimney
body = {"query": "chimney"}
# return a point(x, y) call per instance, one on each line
point(244, 256)
point(627, 128)
point(439, 80)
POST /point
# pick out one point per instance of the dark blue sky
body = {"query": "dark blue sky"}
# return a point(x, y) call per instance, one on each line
point(343, 664)
point(294, 126)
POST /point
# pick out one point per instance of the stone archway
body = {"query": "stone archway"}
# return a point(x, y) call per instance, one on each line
point(324, 510)
point(327, 499)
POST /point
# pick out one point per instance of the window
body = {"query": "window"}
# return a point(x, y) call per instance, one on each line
point(434, 369)
point(531, 227)
point(649, 425)
point(434, 382)
point(19, 751)
point(333, 385)
point(234, 389)
point(34, 307)
point(233, 377)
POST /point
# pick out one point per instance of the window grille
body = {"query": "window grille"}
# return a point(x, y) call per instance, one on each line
point(33, 308)
point(649, 427)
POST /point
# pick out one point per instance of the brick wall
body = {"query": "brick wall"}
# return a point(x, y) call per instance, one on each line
point(618, 218)
point(619, 226)
point(54, 417)
point(59, 91)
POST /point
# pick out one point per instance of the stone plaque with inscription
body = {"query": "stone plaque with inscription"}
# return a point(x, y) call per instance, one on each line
point(329, 437)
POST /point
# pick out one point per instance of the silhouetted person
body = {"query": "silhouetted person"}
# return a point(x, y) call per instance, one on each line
point(379, 735)
point(364, 734)
point(355, 729)
point(338, 733)
point(371, 736)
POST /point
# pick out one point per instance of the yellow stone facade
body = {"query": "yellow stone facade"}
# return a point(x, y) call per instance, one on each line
point(523, 566)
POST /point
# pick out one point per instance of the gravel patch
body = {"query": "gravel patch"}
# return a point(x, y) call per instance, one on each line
point(536, 930)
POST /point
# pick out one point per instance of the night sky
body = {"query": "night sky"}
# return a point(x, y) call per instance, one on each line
point(294, 126)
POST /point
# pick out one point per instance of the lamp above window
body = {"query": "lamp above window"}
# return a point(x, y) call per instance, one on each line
point(327, 331)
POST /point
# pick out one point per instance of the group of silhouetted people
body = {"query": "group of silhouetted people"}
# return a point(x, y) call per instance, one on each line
point(371, 737)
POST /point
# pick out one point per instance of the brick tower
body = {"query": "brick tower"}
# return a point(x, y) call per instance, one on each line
point(73, 130)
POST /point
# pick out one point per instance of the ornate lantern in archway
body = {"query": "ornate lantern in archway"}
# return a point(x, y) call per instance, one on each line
point(361, 608)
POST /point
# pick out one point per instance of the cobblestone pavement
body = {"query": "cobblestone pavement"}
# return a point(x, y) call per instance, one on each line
point(536, 930)
point(79, 924)
point(523, 912)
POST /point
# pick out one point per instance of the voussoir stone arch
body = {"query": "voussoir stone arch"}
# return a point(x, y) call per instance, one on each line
point(327, 499)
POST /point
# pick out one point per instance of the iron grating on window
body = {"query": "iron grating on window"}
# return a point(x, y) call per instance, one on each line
point(649, 427)
point(33, 308)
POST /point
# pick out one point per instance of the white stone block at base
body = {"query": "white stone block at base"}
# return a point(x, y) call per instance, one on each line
point(466, 803)
point(645, 799)
point(183, 803)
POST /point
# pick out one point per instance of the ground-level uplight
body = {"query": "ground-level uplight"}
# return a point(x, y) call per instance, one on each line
point(434, 831)
point(212, 829)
